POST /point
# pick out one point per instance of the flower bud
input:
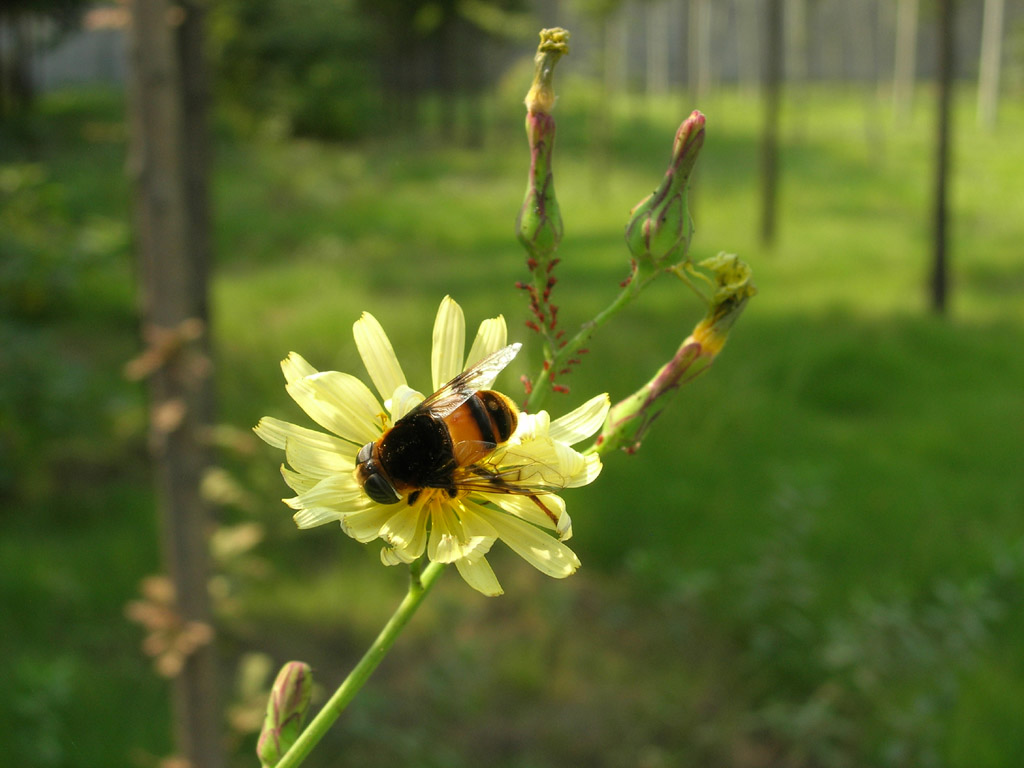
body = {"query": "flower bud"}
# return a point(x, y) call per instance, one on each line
point(733, 288)
point(554, 44)
point(539, 223)
point(286, 712)
point(660, 228)
point(630, 419)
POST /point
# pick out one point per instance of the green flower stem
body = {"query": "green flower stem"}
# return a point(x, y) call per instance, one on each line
point(629, 419)
point(639, 280)
point(539, 222)
point(419, 586)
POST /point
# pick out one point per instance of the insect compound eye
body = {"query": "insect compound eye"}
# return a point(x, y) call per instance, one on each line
point(364, 453)
point(380, 490)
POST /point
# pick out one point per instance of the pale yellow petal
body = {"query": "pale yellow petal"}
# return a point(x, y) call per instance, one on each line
point(340, 492)
point(378, 355)
point(528, 509)
point(406, 532)
point(532, 426)
point(311, 518)
point(539, 549)
point(449, 343)
point(582, 422)
point(295, 367)
point(391, 556)
point(403, 401)
point(592, 467)
point(479, 575)
point(521, 506)
point(445, 544)
point(297, 481)
point(479, 534)
point(490, 337)
point(318, 463)
point(474, 526)
point(278, 433)
point(341, 403)
point(365, 525)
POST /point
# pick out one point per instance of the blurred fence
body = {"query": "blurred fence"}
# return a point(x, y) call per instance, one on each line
point(671, 42)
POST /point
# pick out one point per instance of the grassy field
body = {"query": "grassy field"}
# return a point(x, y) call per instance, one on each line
point(815, 559)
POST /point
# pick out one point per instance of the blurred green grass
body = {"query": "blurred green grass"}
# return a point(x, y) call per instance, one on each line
point(846, 460)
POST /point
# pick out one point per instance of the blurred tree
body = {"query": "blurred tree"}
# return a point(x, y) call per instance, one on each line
point(169, 164)
point(614, 50)
point(658, 32)
point(864, 22)
point(946, 10)
point(991, 62)
point(905, 66)
point(612, 31)
point(748, 45)
point(339, 69)
point(796, 59)
point(439, 45)
point(302, 66)
point(700, 64)
point(797, 51)
point(772, 87)
point(19, 37)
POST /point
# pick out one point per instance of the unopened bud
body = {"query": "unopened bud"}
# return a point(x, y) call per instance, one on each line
point(554, 44)
point(539, 223)
point(660, 228)
point(733, 289)
point(286, 712)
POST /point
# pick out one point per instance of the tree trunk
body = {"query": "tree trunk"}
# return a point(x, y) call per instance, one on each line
point(905, 66)
point(700, 50)
point(169, 167)
point(17, 89)
point(657, 48)
point(795, 65)
point(864, 24)
point(615, 58)
point(773, 62)
point(796, 38)
point(444, 54)
point(748, 42)
point(940, 268)
point(991, 62)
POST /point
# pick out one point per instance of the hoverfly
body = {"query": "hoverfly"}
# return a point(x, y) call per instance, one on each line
point(444, 442)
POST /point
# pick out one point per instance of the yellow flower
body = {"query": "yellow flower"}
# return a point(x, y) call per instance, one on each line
point(456, 529)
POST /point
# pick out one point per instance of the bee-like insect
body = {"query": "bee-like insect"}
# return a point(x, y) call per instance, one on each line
point(444, 442)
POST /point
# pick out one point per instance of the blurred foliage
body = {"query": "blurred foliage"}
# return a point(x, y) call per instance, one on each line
point(53, 270)
point(863, 683)
point(328, 68)
point(303, 68)
point(21, 38)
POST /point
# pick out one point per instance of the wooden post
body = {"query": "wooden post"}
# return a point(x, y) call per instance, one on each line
point(990, 63)
point(168, 164)
point(772, 87)
point(940, 268)
point(905, 66)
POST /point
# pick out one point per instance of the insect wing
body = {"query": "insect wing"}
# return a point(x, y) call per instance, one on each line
point(528, 470)
point(526, 478)
point(478, 376)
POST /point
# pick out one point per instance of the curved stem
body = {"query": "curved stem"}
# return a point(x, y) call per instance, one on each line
point(419, 586)
point(542, 382)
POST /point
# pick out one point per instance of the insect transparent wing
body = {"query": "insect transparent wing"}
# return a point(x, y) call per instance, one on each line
point(478, 376)
point(526, 478)
point(528, 469)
